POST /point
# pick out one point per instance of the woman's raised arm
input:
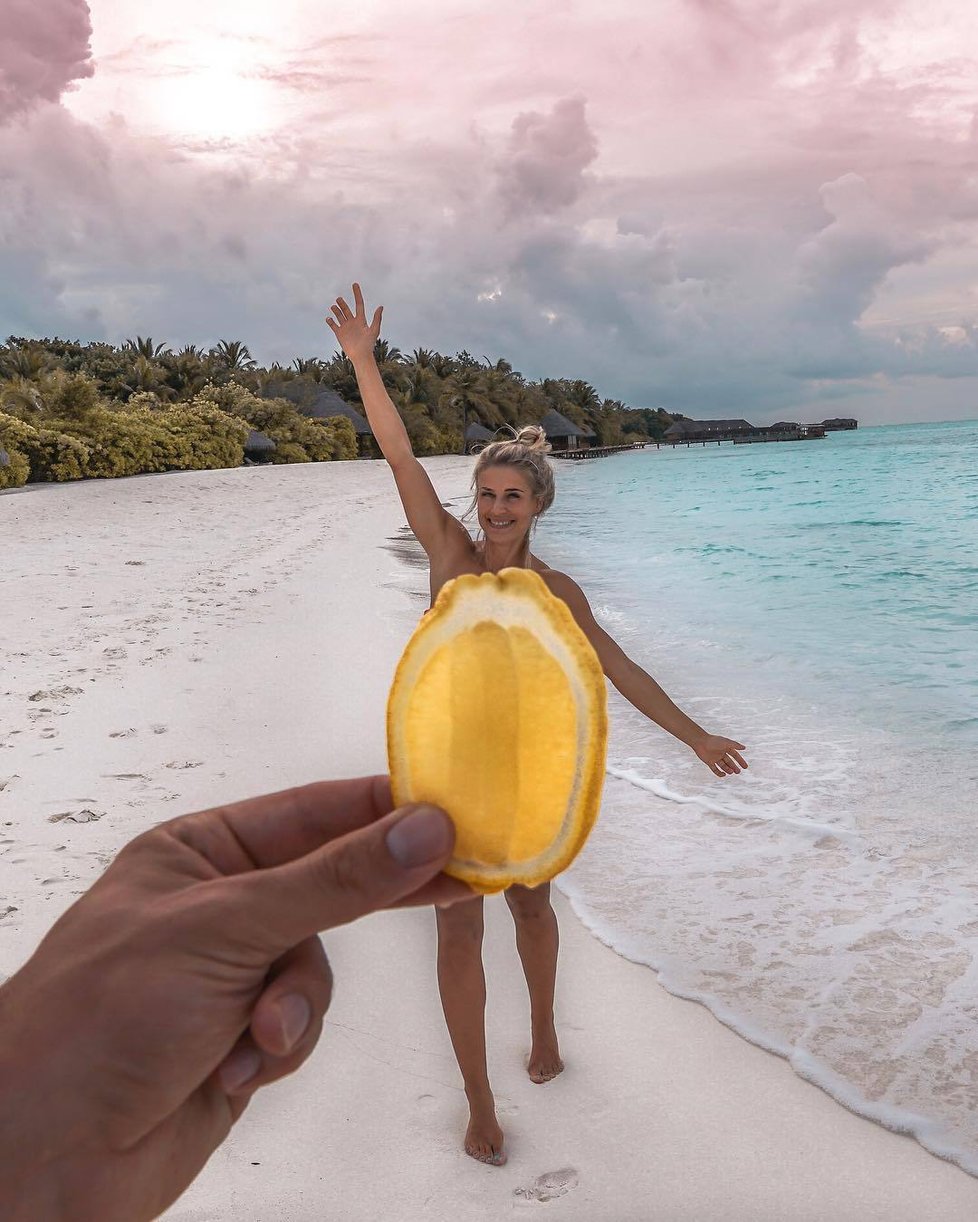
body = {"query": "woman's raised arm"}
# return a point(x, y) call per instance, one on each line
point(426, 516)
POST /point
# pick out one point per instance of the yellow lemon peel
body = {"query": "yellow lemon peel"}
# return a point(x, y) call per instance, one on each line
point(498, 714)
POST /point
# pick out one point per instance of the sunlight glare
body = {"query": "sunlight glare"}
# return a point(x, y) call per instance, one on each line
point(221, 95)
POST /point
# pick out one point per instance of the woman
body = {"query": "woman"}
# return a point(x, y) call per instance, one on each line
point(514, 486)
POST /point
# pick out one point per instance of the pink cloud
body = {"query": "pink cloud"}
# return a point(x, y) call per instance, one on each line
point(732, 207)
point(44, 49)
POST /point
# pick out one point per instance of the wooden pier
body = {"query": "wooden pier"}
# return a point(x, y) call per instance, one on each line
point(601, 451)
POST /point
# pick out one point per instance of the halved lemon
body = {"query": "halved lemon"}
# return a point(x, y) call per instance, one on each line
point(498, 714)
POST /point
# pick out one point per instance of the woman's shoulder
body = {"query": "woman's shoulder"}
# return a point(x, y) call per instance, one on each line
point(557, 582)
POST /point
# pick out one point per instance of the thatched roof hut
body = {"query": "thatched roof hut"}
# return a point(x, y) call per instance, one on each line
point(319, 402)
point(564, 434)
point(339, 408)
point(316, 401)
point(477, 435)
point(259, 443)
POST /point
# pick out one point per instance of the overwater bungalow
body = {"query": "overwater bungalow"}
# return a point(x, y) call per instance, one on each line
point(683, 431)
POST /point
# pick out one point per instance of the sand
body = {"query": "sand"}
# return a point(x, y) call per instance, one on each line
point(174, 641)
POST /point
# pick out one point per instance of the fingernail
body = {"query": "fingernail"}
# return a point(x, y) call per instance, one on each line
point(240, 1067)
point(420, 837)
point(294, 1013)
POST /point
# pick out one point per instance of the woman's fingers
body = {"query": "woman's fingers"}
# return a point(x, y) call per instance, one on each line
point(358, 299)
point(345, 310)
point(739, 758)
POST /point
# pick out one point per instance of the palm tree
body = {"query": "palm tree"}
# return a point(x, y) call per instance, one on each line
point(583, 395)
point(339, 375)
point(385, 354)
point(465, 391)
point(26, 362)
point(144, 374)
point(186, 370)
point(146, 348)
point(417, 386)
point(20, 397)
point(311, 367)
point(232, 355)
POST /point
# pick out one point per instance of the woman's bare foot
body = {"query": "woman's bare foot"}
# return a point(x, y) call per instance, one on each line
point(545, 1062)
point(484, 1137)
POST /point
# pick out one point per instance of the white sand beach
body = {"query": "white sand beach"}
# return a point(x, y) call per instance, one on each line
point(170, 642)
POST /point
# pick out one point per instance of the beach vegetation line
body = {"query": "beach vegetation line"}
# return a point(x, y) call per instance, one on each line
point(74, 411)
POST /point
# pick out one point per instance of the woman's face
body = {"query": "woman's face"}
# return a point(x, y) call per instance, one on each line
point(506, 503)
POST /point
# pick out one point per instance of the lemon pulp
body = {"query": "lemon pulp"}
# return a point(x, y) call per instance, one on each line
point(498, 714)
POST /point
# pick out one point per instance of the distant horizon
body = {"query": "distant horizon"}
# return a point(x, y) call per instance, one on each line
point(737, 203)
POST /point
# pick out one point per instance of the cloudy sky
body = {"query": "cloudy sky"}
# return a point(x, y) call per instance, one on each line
point(723, 207)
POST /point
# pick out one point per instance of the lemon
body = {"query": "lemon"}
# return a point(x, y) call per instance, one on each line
point(498, 714)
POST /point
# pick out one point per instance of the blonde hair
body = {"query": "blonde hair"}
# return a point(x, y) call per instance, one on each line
point(527, 451)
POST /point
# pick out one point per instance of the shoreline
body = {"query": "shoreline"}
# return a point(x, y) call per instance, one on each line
point(164, 612)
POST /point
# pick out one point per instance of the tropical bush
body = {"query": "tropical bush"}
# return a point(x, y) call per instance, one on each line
point(342, 437)
point(16, 471)
point(13, 433)
point(51, 456)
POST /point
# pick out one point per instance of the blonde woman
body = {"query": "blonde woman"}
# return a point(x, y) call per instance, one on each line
point(513, 486)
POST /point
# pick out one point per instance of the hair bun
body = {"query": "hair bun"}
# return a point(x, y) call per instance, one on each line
point(533, 437)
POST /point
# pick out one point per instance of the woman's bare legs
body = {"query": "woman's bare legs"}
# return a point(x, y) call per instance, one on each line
point(462, 984)
point(537, 940)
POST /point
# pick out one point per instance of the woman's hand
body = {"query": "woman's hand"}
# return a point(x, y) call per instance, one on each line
point(721, 755)
point(356, 336)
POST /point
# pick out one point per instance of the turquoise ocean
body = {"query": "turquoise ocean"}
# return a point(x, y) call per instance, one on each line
point(818, 601)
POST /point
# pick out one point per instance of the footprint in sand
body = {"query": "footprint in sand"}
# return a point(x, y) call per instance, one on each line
point(183, 764)
point(77, 816)
point(124, 733)
point(549, 1186)
point(56, 693)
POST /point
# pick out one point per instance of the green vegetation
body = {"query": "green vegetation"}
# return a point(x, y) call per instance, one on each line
point(74, 411)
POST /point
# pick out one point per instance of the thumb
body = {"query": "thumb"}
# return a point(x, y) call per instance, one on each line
point(356, 874)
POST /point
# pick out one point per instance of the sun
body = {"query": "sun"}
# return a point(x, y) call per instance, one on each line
point(218, 94)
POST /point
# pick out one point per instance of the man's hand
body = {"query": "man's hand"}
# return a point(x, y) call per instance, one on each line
point(189, 976)
point(357, 337)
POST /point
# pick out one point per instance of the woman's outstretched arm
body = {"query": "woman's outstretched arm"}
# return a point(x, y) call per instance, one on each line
point(721, 755)
point(433, 527)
